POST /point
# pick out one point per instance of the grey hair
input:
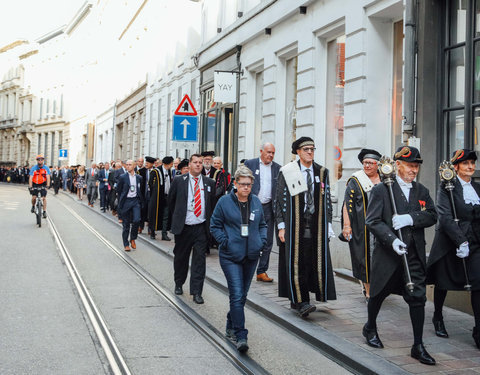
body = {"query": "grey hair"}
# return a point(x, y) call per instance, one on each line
point(243, 171)
point(265, 144)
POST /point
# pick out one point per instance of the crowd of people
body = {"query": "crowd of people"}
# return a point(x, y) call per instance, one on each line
point(384, 215)
point(14, 174)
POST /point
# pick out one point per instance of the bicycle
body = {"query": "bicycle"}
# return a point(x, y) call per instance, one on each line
point(38, 205)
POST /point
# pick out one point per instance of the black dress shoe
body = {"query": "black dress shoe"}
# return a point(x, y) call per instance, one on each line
point(476, 337)
point(178, 290)
point(305, 309)
point(165, 238)
point(242, 345)
point(419, 352)
point(198, 299)
point(152, 236)
point(372, 337)
point(440, 330)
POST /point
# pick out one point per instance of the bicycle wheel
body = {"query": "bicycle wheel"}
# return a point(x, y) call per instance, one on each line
point(39, 214)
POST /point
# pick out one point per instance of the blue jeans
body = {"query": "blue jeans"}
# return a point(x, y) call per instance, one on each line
point(239, 277)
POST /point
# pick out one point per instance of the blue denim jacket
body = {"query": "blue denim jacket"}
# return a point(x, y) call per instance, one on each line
point(225, 226)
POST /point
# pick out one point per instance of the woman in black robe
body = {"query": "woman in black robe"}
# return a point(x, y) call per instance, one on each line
point(456, 241)
point(355, 232)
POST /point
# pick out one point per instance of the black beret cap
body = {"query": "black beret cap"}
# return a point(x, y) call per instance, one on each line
point(149, 159)
point(208, 153)
point(462, 155)
point(182, 164)
point(302, 142)
point(367, 153)
point(408, 154)
point(167, 160)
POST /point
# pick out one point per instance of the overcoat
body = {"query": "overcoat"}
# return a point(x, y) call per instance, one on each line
point(385, 260)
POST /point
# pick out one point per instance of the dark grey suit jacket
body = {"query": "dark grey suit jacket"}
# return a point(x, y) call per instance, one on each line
point(177, 201)
point(254, 166)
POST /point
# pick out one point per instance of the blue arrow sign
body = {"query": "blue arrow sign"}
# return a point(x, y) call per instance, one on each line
point(63, 153)
point(185, 128)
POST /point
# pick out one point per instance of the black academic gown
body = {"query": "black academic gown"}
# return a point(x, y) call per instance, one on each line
point(143, 172)
point(210, 174)
point(356, 202)
point(445, 269)
point(157, 200)
point(385, 261)
point(288, 210)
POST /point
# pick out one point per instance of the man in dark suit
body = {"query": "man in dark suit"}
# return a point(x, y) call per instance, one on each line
point(56, 179)
point(191, 200)
point(145, 173)
point(91, 178)
point(208, 169)
point(130, 201)
point(415, 212)
point(104, 186)
point(167, 178)
point(264, 186)
point(119, 170)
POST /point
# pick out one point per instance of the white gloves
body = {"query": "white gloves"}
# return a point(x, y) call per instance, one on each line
point(463, 250)
point(400, 221)
point(399, 247)
point(331, 233)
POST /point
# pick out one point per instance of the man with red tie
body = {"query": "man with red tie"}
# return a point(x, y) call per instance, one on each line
point(191, 200)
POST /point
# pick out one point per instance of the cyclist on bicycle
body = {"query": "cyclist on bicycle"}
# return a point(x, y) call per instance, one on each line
point(39, 178)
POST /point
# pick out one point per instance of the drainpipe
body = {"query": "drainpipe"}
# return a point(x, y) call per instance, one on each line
point(410, 95)
point(237, 112)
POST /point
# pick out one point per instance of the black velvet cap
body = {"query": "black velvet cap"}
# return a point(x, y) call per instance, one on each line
point(167, 160)
point(208, 153)
point(367, 153)
point(462, 155)
point(302, 142)
point(182, 164)
point(149, 159)
point(408, 154)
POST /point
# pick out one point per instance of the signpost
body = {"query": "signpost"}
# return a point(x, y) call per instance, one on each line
point(185, 122)
point(62, 154)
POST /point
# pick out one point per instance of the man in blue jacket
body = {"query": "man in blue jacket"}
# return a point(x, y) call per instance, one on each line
point(265, 171)
point(130, 201)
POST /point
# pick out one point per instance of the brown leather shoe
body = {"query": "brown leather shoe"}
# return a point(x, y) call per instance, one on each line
point(120, 220)
point(133, 244)
point(127, 248)
point(264, 277)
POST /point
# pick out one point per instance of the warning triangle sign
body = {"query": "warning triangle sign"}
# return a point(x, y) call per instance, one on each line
point(186, 107)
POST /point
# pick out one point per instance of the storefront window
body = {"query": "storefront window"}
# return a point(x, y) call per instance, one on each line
point(457, 18)
point(335, 100)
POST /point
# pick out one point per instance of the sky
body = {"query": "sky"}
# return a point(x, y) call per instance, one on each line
point(30, 19)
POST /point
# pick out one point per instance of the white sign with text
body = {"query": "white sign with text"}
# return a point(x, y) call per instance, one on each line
point(225, 87)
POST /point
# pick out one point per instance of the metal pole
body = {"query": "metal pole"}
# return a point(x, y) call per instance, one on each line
point(410, 284)
point(409, 96)
point(236, 115)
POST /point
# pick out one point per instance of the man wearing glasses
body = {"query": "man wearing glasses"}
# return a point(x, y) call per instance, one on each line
point(39, 178)
point(303, 214)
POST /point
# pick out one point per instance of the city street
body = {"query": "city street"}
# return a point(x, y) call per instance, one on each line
point(45, 328)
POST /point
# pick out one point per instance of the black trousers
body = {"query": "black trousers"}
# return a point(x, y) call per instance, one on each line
point(104, 198)
point(305, 268)
point(192, 237)
point(131, 219)
point(165, 215)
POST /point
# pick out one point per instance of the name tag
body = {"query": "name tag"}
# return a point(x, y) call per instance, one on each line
point(252, 216)
point(208, 189)
point(317, 179)
point(244, 230)
point(132, 188)
point(257, 172)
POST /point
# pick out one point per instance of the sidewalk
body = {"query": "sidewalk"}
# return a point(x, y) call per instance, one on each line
point(336, 326)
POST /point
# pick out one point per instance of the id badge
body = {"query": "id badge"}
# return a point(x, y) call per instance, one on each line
point(191, 206)
point(132, 188)
point(244, 230)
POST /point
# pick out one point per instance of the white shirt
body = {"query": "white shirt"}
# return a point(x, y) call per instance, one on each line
point(265, 193)
point(191, 218)
point(167, 180)
point(405, 187)
point(470, 196)
point(304, 172)
point(133, 182)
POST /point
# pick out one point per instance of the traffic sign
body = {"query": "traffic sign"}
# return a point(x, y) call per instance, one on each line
point(185, 128)
point(186, 108)
point(62, 154)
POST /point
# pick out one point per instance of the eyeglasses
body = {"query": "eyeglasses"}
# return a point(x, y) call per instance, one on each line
point(244, 184)
point(309, 149)
point(40, 159)
point(369, 163)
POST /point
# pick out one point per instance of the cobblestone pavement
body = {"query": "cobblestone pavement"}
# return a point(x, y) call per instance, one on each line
point(346, 316)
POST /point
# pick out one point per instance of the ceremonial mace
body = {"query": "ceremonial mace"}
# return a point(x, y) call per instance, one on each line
point(447, 174)
point(386, 167)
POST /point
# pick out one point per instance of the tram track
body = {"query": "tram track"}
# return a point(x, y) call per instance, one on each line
point(117, 363)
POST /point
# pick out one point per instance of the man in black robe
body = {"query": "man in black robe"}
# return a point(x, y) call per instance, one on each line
point(167, 178)
point(303, 215)
point(208, 169)
point(415, 212)
point(157, 201)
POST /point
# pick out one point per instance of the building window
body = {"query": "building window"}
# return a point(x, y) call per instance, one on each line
point(290, 106)
point(211, 130)
point(335, 100)
point(159, 125)
point(41, 108)
point(258, 111)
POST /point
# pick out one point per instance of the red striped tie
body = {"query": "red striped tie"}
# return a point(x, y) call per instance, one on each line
point(198, 199)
